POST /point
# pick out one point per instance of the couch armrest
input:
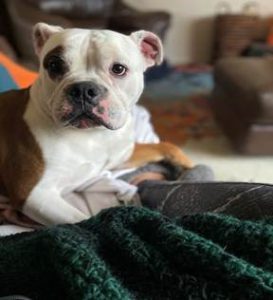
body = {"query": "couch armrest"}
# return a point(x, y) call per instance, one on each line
point(22, 19)
point(26, 13)
point(6, 48)
point(127, 19)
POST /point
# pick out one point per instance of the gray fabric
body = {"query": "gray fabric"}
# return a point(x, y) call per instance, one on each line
point(198, 173)
point(171, 172)
point(242, 200)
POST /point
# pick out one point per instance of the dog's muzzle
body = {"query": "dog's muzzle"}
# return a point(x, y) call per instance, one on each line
point(85, 93)
point(86, 105)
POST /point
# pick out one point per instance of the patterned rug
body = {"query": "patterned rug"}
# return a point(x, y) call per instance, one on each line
point(180, 120)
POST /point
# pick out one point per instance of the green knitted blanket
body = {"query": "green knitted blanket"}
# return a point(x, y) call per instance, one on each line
point(133, 253)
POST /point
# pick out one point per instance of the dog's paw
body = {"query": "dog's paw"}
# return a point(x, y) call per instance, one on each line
point(175, 155)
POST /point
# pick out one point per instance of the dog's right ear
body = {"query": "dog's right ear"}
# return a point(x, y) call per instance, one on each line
point(41, 33)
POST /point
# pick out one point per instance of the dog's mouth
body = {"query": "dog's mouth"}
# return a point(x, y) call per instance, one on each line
point(85, 120)
point(87, 116)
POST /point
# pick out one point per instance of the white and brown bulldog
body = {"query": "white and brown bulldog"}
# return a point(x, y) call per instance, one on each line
point(76, 120)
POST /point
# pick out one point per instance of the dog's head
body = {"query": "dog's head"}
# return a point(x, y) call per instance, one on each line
point(91, 78)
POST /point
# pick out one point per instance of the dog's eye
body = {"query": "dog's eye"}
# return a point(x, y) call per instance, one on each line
point(118, 69)
point(55, 65)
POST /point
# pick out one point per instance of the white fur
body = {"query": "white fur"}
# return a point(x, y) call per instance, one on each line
point(73, 155)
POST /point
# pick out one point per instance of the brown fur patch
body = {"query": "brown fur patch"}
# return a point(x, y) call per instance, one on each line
point(145, 153)
point(55, 57)
point(21, 160)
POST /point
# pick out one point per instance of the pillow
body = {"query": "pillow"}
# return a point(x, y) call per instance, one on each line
point(270, 36)
point(6, 82)
point(12, 75)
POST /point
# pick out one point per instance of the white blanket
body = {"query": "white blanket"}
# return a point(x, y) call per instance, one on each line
point(105, 190)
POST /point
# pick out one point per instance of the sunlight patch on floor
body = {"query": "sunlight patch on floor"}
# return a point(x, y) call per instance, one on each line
point(228, 165)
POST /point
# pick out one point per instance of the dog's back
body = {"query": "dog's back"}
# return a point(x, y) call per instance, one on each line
point(18, 149)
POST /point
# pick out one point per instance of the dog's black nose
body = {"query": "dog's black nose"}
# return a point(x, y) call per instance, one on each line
point(86, 91)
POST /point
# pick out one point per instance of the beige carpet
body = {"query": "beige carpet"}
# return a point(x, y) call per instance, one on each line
point(191, 121)
point(226, 164)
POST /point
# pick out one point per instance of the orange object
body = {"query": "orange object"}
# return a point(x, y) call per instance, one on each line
point(21, 76)
point(269, 39)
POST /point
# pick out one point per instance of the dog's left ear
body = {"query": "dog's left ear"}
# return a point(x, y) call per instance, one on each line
point(41, 33)
point(150, 46)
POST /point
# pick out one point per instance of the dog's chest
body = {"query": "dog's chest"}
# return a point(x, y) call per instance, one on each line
point(73, 157)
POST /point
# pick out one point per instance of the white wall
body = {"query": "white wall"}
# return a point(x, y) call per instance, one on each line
point(190, 37)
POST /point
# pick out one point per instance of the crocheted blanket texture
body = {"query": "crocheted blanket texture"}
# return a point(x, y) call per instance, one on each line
point(134, 253)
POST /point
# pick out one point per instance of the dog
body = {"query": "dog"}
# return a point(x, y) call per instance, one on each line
point(76, 119)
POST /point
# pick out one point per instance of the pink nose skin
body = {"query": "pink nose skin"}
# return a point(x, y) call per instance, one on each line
point(66, 109)
point(102, 111)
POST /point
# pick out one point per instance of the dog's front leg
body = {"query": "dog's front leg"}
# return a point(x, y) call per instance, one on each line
point(47, 207)
point(145, 153)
